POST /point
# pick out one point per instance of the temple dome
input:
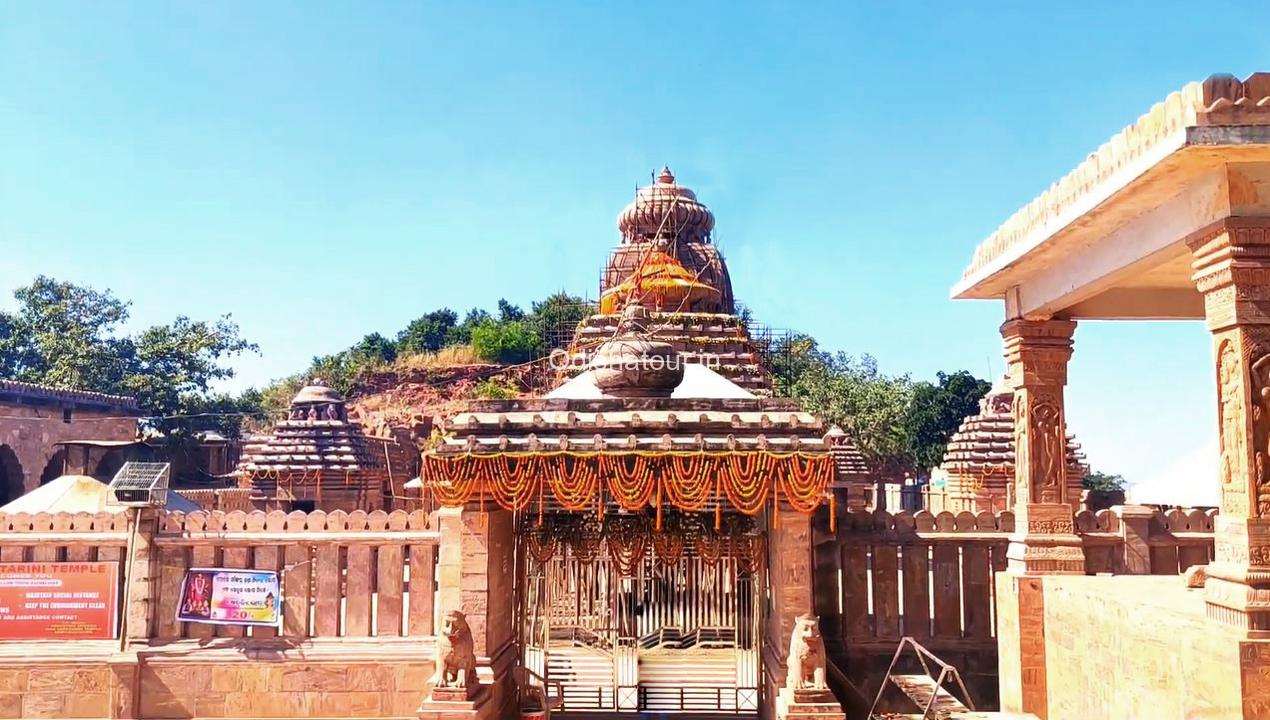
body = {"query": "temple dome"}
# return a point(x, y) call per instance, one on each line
point(317, 391)
point(634, 365)
point(665, 211)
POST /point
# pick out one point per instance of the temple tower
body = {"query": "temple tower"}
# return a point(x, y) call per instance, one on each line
point(319, 458)
point(667, 261)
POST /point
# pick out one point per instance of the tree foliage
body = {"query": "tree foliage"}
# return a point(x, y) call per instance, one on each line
point(900, 426)
point(506, 341)
point(70, 336)
point(556, 317)
point(428, 332)
point(936, 410)
point(1099, 481)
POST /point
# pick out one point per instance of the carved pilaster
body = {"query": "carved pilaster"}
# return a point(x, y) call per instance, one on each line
point(1045, 541)
point(1232, 269)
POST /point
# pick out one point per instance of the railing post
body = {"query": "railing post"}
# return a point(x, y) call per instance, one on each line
point(1135, 529)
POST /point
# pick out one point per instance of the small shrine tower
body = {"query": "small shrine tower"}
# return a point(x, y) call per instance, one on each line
point(979, 461)
point(318, 458)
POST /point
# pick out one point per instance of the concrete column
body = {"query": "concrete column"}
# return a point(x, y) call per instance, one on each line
point(1045, 540)
point(1232, 270)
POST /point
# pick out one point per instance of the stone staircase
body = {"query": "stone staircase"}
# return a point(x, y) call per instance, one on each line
point(585, 675)
point(689, 681)
point(933, 700)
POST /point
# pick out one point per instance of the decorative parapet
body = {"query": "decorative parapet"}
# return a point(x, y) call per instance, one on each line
point(1219, 100)
point(32, 392)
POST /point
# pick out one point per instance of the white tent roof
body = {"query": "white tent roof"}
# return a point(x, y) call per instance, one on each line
point(79, 493)
point(699, 382)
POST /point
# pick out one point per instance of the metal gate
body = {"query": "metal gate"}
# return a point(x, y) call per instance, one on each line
point(668, 636)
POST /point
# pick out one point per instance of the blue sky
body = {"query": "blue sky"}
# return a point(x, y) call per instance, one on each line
point(321, 171)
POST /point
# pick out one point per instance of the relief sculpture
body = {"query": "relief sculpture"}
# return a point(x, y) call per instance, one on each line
point(1049, 461)
point(1261, 430)
point(1230, 427)
point(1022, 491)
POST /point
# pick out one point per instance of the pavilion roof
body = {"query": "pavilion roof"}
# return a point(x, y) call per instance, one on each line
point(1201, 116)
point(623, 425)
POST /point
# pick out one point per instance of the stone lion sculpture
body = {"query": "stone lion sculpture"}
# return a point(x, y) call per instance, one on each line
point(806, 658)
point(456, 660)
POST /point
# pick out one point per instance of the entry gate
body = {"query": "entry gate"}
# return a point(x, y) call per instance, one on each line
point(679, 636)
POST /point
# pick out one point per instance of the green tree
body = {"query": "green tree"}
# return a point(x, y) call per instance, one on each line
point(935, 412)
point(508, 312)
point(69, 336)
point(514, 341)
point(461, 334)
point(556, 316)
point(869, 406)
point(428, 332)
point(375, 347)
point(1099, 481)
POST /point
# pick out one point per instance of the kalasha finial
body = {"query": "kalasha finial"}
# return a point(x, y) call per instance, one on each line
point(666, 177)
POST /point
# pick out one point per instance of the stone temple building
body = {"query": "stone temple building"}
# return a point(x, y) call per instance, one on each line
point(979, 461)
point(661, 498)
point(320, 458)
point(36, 418)
point(667, 261)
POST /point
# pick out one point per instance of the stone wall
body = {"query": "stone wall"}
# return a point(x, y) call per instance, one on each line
point(879, 577)
point(30, 431)
point(356, 640)
point(1123, 647)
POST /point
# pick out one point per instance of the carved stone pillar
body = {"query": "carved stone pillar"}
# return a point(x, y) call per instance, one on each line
point(1232, 270)
point(1044, 541)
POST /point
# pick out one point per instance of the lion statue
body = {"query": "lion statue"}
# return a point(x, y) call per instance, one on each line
point(806, 659)
point(456, 660)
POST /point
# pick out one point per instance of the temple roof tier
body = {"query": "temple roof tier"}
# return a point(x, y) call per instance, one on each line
point(984, 443)
point(317, 439)
point(719, 341)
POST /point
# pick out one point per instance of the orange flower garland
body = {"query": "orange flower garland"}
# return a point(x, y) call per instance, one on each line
point(687, 486)
point(804, 482)
point(745, 482)
point(687, 481)
point(512, 481)
point(574, 486)
point(632, 488)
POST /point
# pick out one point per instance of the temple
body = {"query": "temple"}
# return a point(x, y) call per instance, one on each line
point(652, 494)
point(979, 462)
point(659, 534)
point(317, 458)
point(667, 260)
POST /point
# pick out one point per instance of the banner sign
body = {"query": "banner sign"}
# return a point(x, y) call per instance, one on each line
point(227, 596)
point(59, 601)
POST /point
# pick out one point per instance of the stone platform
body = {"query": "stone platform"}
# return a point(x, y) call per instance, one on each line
point(1123, 647)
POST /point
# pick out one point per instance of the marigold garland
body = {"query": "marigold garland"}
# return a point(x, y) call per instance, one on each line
point(628, 479)
point(685, 480)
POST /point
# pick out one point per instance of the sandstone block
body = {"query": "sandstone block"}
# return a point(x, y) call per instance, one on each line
point(44, 705)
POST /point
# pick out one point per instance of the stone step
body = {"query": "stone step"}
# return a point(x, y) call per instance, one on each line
point(921, 688)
